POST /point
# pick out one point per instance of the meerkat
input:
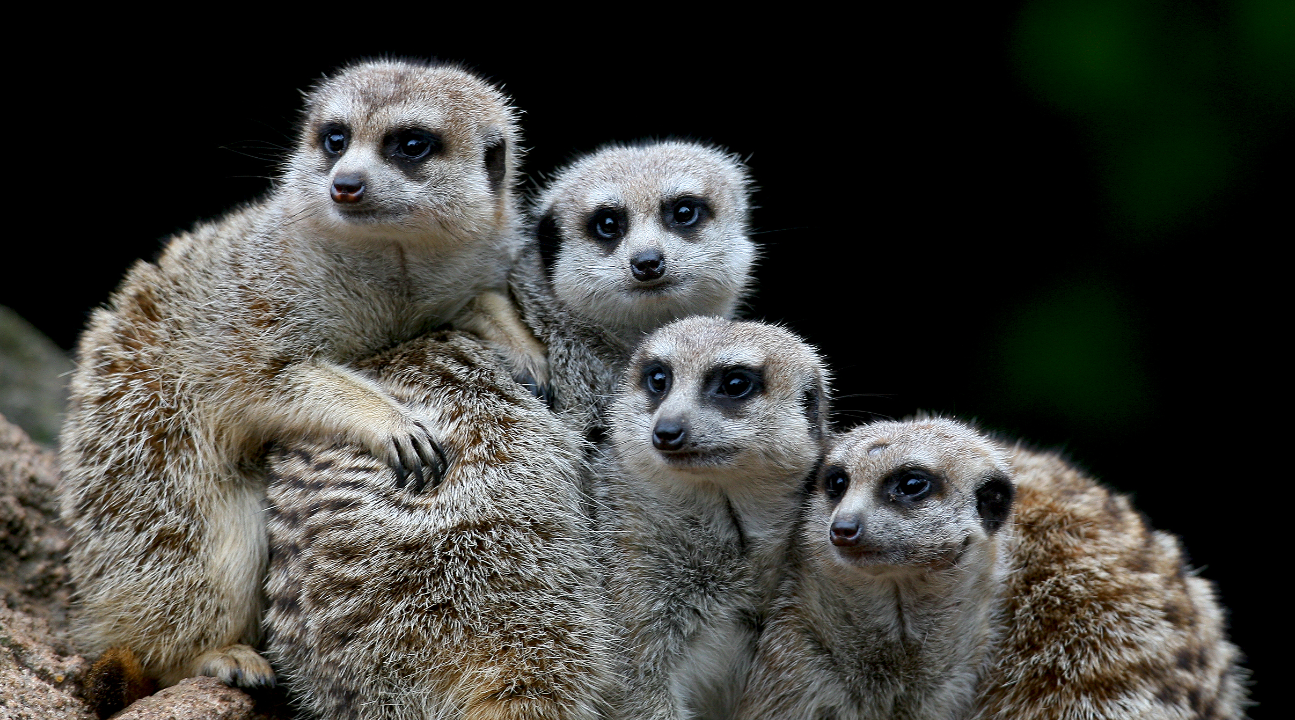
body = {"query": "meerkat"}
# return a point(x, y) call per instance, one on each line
point(939, 574)
point(714, 432)
point(628, 238)
point(899, 557)
point(477, 599)
point(1102, 616)
point(330, 664)
point(393, 214)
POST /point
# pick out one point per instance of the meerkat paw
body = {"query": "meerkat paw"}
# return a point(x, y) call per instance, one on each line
point(236, 665)
point(412, 450)
point(536, 386)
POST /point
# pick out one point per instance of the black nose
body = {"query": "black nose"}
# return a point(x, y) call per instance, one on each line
point(348, 188)
point(669, 435)
point(647, 265)
point(846, 532)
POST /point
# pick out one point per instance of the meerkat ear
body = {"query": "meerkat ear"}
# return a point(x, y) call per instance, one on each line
point(994, 501)
point(496, 164)
point(550, 239)
point(813, 401)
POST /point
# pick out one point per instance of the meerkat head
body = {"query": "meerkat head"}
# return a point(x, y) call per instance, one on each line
point(632, 237)
point(738, 405)
point(404, 151)
point(909, 496)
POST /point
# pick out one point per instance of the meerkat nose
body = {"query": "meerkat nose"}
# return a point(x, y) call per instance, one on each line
point(846, 532)
point(347, 188)
point(669, 435)
point(647, 265)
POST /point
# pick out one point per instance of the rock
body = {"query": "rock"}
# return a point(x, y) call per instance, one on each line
point(33, 576)
point(40, 670)
point(34, 373)
point(38, 674)
point(199, 698)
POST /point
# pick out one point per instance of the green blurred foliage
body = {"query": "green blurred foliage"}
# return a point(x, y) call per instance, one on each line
point(1074, 353)
point(1176, 98)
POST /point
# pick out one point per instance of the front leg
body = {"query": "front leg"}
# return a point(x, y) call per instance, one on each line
point(318, 398)
point(494, 318)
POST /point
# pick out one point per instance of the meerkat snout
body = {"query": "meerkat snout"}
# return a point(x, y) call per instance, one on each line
point(347, 188)
point(846, 531)
point(669, 434)
point(648, 265)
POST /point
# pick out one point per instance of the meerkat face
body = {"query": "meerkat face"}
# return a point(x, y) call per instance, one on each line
point(633, 237)
point(902, 496)
point(398, 150)
point(738, 405)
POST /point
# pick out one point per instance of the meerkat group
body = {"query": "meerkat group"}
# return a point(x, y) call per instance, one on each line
point(500, 610)
point(595, 495)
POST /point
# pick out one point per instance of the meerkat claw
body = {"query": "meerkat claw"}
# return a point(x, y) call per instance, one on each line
point(429, 451)
point(541, 390)
point(419, 455)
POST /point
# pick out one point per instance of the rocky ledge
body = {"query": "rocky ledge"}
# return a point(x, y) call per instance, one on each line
point(40, 670)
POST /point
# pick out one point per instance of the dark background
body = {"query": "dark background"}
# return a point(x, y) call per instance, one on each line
point(1057, 218)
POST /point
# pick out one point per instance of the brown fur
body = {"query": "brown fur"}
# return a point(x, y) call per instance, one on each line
point(1081, 612)
point(1102, 616)
point(477, 599)
point(241, 333)
point(115, 681)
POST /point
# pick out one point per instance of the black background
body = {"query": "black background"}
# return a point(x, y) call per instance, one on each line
point(941, 231)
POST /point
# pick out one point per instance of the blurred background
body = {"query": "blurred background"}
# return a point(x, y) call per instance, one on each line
point(1058, 218)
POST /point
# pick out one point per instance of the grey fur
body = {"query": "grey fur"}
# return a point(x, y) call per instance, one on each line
point(241, 334)
point(516, 468)
point(586, 305)
point(945, 607)
point(478, 599)
point(899, 620)
point(694, 542)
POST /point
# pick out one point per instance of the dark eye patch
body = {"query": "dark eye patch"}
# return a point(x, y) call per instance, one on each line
point(334, 138)
point(685, 214)
point(607, 224)
point(910, 485)
point(835, 482)
point(732, 386)
point(656, 379)
point(412, 145)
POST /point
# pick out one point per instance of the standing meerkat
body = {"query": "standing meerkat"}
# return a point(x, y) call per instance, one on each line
point(393, 214)
point(499, 609)
point(715, 431)
point(930, 585)
point(899, 560)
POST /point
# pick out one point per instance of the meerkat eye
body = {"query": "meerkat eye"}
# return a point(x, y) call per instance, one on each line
point(414, 144)
point(835, 483)
point(685, 213)
point(656, 379)
point(607, 224)
point(334, 138)
point(737, 384)
point(913, 485)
